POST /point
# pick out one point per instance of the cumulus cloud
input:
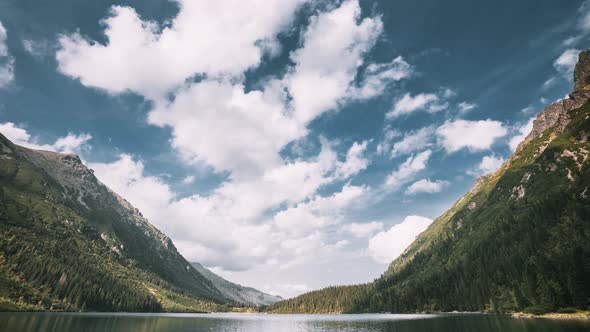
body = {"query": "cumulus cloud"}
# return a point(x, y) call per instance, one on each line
point(326, 65)
point(71, 143)
point(565, 63)
point(465, 107)
point(319, 212)
point(188, 179)
point(355, 160)
point(426, 186)
point(407, 104)
point(413, 141)
point(231, 227)
point(204, 38)
point(389, 134)
point(564, 66)
point(487, 165)
point(407, 170)
point(362, 230)
point(222, 125)
point(387, 246)
point(455, 135)
point(523, 131)
point(38, 48)
point(218, 121)
point(6, 60)
point(377, 76)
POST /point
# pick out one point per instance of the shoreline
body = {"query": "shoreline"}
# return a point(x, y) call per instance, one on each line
point(579, 315)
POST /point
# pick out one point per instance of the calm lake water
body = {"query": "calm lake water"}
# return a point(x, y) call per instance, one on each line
point(99, 322)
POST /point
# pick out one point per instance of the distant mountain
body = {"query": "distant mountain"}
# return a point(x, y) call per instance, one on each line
point(518, 240)
point(237, 293)
point(67, 242)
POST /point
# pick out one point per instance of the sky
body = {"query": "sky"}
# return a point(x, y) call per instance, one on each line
point(286, 145)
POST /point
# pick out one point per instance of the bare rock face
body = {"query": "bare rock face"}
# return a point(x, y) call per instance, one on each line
point(582, 72)
point(556, 115)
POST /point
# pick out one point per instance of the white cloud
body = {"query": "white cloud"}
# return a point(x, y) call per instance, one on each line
point(326, 65)
point(204, 37)
point(387, 246)
point(319, 212)
point(523, 132)
point(582, 25)
point(3, 37)
point(413, 141)
point(384, 147)
point(566, 62)
point(487, 165)
point(268, 211)
point(229, 129)
point(584, 19)
point(188, 179)
point(377, 76)
point(38, 48)
point(426, 186)
point(355, 161)
point(455, 135)
point(6, 60)
point(15, 133)
point(216, 121)
point(407, 170)
point(71, 143)
point(465, 107)
point(429, 102)
point(362, 230)
point(126, 177)
point(232, 227)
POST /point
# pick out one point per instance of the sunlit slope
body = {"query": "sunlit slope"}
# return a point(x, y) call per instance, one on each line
point(518, 240)
point(69, 243)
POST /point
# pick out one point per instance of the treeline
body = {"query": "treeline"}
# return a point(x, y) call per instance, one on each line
point(494, 252)
point(535, 260)
point(65, 272)
point(325, 301)
point(62, 251)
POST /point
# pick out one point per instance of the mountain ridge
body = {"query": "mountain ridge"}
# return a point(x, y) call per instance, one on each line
point(68, 242)
point(517, 240)
point(236, 292)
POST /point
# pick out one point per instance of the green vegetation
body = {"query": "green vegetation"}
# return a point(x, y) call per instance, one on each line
point(519, 241)
point(62, 252)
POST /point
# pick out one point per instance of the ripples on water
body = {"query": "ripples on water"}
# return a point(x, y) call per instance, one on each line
point(104, 322)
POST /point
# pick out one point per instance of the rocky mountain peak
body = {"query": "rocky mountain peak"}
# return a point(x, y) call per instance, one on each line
point(556, 115)
point(582, 72)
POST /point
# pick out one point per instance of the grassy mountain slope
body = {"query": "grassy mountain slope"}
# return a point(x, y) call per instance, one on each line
point(69, 243)
point(518, 240)
point(237, 293)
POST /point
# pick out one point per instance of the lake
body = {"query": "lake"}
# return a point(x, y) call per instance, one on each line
point(110, 322)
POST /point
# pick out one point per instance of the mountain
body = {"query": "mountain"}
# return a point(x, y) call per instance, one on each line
point(237, 293)
point(518, 240)
point(67, 242)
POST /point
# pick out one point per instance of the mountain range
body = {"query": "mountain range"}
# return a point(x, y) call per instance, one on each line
point(519, 240)
point(68, 242)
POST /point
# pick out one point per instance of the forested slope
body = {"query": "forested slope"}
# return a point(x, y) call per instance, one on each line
point(518, 240)
point(69, 243)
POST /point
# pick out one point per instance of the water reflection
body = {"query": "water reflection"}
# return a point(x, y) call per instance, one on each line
point(70, 322)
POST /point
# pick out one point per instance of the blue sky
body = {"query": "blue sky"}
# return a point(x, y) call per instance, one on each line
point(288, 145)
